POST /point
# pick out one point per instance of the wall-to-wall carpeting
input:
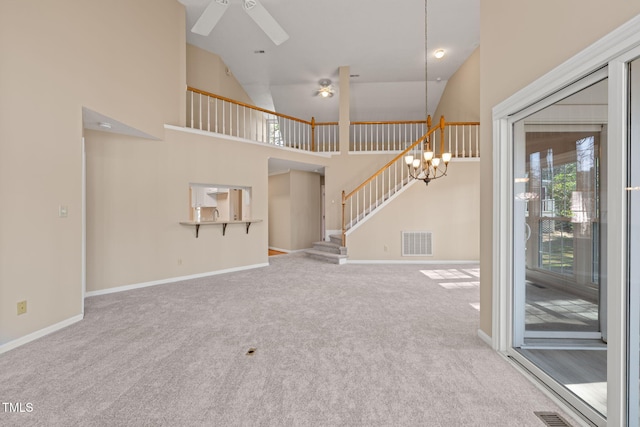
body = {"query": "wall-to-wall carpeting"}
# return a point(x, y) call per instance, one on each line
point(352, 345)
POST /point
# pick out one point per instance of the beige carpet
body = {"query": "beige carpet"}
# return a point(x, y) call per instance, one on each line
point(349, 345)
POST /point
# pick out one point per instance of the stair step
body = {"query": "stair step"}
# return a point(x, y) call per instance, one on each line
point(330, 247)
point(326, 256)
point(336, 238)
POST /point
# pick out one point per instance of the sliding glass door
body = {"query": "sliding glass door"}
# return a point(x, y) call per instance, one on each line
point(559, 283)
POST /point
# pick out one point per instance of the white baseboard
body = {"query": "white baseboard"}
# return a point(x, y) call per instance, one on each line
point(39, 334)
point(401, 261)
point(172, 280)
point(486, 338)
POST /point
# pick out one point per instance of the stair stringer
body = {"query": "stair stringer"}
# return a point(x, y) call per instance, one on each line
point(375, 210)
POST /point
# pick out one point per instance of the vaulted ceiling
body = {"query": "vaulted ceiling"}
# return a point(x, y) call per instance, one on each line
point(381, 41)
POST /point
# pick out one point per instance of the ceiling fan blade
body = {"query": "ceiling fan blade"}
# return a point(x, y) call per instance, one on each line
point(210, 17)
point(265, 21)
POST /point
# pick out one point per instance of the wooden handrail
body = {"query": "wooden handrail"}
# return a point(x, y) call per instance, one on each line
point(441, 126)
point(242, 104)
point(395, 159)
point(463, 124)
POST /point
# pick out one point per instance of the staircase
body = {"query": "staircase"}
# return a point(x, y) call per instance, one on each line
point(460, 139)
point(330, 251)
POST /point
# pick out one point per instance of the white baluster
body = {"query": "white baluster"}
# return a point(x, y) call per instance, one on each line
point(200, 111)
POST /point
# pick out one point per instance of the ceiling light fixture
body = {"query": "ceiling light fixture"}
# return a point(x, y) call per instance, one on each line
point(427, 167)
point(439, 53)
point(105, 125)
point(326, 90)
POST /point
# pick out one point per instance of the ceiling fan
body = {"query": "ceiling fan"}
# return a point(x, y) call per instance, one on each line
point(253, 8)
point(326, 89)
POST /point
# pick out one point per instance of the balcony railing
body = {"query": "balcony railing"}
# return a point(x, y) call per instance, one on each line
point(384, 136)
point(215, 113)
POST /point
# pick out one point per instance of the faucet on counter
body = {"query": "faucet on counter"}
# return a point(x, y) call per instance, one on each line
point(216, 214)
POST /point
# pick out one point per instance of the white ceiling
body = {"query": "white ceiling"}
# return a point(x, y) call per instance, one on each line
point(382, 41)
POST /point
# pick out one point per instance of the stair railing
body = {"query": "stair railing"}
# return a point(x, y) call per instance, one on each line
point(459, 138)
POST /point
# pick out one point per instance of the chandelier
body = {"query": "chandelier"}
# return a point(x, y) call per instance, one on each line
point(428, 167)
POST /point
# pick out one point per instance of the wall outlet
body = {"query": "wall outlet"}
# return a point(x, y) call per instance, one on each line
point(386, 248)
point(22, 307)
point(179, 261)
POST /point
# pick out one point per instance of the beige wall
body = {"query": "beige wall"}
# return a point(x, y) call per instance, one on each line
point(71, 54)
point(280, 211)
point(206, 71)
point(521, 41)
point(460, 101)
point(138, 192)
point(447, 207)
point(305, 209)
point(294, 210)
point(346, 172)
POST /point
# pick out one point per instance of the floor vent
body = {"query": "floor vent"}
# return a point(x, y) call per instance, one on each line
point(552, 419)
point(417, 243)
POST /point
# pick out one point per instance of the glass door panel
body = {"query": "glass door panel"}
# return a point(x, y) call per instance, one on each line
point(558, 320)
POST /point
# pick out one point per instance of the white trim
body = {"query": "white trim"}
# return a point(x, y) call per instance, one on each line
point(613, 217)
point(486, 338)
point(248, 141)
point(39, 334)
point(83, 215)
point(427, 262)
point(501, 250)
point(172, 280)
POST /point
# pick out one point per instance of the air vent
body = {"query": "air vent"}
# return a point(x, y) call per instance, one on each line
point(552, 419)
point(417, 243)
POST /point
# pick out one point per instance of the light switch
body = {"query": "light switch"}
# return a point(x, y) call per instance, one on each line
point(63, 211)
